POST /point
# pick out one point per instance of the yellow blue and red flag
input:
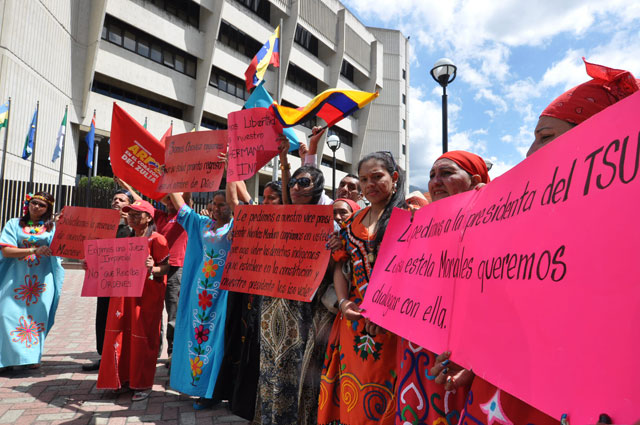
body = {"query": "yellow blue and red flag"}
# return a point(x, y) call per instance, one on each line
point(4, 115)
point(269, 54)
point(330, 105)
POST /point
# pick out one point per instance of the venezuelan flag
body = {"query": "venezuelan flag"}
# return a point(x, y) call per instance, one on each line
point(269, 54)
point(4, 115)
point(330, 105)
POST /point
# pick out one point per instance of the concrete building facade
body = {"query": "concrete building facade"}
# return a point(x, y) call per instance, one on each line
point(183, 62)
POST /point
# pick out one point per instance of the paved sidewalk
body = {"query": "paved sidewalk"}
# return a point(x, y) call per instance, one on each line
point(61, 392)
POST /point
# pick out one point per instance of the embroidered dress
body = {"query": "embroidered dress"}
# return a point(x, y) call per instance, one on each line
point(132, 335)
point(359, 374)
point(198, 345)
point(30, 288)
point(419, 400)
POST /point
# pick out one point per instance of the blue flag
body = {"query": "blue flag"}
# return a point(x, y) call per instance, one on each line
point(89, 141)
point(260, 98)
point(28, 143)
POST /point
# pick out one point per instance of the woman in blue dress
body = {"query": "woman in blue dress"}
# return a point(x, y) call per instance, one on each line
point(198, 346)
point(30, 283)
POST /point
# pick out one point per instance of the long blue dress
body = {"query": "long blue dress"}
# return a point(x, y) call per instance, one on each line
point(198, 345)
point(29, 292)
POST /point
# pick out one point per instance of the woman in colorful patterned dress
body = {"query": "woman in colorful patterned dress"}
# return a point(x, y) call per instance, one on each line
point(198, 346)
point(359, 374)
point(30, 283)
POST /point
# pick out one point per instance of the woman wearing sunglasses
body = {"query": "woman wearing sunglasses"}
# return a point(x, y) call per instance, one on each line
point(30, 283)
point(293, 334)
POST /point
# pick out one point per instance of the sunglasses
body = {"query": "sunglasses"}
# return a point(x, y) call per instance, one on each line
point(301, 182)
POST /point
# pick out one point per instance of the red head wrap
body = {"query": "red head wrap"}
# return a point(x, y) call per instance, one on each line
point(582, 102)
point(354, 206)
point(469, 162)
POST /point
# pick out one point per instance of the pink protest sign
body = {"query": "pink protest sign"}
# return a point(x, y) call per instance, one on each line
point(550, 289)
point(191, 162)
point(115, 267)
point(252, 141)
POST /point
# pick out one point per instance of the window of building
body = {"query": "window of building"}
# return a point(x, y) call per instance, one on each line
point(307, 40)
point(228, 83)
point(262, 8)
point(346, 138)
point(404, 74)
point(404, 124)
point(238, 40)
point(404, 149)
point(346, 70)
point(136, 99)
point(213, 124)
point(328, 162)
point(302, 79)
point(124, 35)
point(185, 10)
point(404, 99)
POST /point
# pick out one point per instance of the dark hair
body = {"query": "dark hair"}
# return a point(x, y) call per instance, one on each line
point(353, 176)
point(222, 193)
point(397, 198)
point(151, 227)
point(123, 192)
point(276, 186)
point(47, 217)
point(316, 177)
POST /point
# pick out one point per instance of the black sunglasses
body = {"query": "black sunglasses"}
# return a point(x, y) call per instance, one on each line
point(395, 166)
point(301, 182)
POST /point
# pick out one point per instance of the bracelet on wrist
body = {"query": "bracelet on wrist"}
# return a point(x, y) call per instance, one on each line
point(341, 302)
point(284, 167)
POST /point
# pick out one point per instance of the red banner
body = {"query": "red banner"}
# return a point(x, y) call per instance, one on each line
point(115, 267)
point(135, 154)
point(279, 251)
point(191, 162)
point(78, 224)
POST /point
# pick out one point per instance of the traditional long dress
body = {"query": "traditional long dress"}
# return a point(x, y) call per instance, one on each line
point(132, 335)
point(198, 345)
point(293, 340)
point(486, 404)
point(419, 400)
point(30, 288)
point(359, 374)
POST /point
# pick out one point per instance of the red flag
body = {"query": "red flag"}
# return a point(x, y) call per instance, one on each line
point(135, 154)
point(166, 134)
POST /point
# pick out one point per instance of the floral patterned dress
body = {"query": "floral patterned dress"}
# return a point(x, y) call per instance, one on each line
point(29, 291)
point(198, 345)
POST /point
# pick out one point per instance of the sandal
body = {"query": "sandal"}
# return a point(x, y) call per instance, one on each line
point(204, 403)
point(140, 395)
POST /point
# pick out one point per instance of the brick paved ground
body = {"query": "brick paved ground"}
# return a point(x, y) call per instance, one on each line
point(61, 392)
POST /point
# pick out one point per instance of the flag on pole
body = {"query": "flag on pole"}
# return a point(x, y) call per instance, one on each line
point(89, 140)
point(166, 134)
point(145, 123)
point(28, 143)
point(60, 139)
point(4, 115)
point(269, 54)
point(260, 98)
point(330, 105)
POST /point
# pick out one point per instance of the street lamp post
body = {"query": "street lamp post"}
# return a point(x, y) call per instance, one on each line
point(333, 142)
point(444, 72)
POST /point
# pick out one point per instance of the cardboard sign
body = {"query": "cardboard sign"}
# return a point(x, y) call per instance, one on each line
point(78, 224)
point(115, 267)
point(542, 286)
point(252, 141)
point(135, 154)
point(191, 162)
point(279, 250)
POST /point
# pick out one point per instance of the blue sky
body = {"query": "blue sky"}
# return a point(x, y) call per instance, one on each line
point(513, 58)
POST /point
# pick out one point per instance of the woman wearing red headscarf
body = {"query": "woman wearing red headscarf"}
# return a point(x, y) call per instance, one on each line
point(487, 404)
point(431, 389)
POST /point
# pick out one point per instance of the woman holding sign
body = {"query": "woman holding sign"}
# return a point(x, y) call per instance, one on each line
point(30, 283)
point(132, 334)
point(358, 377)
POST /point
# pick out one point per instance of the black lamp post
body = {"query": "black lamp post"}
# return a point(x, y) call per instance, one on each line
point(444, 72)
point(333, 141)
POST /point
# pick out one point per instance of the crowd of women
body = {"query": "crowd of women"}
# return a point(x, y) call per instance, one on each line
point(276, 361)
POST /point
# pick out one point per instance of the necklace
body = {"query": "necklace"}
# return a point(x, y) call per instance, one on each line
point(35, 229)
point(371, 256)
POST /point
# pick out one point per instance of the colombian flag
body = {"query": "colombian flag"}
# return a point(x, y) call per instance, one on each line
point(330, 105)
point(269, 54)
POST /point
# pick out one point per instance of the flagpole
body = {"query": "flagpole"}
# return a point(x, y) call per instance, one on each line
point(33, 150)
point(64, 138)
point(6, 141)
point(276, 162)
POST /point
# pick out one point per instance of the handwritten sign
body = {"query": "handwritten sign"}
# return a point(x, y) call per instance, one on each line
point(544, 273)
point(252, 141)
point(115, 267)
point(279, 251)
point(191, 162)
point(79, 224)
